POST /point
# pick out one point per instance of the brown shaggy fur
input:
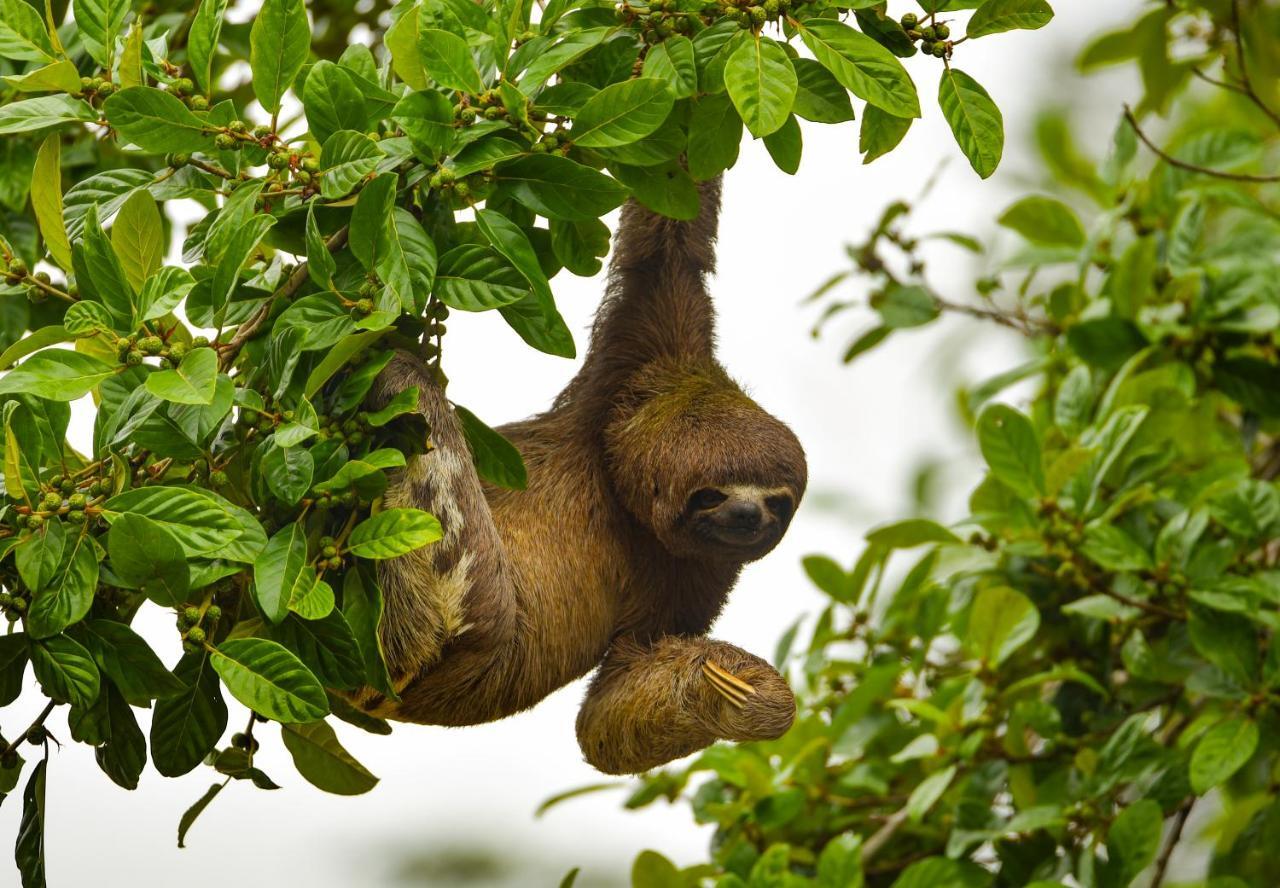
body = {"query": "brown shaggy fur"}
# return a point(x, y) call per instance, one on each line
point(604, 560)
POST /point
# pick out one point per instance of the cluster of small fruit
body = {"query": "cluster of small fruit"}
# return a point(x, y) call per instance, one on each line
point(934, 39)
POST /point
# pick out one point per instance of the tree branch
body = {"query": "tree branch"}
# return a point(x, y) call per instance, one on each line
point(249, 328)
point(1245, 82)
point(1191, 167)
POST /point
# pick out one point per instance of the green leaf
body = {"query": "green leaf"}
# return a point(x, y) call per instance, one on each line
point(673, 60)
point(322, 760)
point(196, 520)
point(100, 23)
point(667, 190)
point(157, 122)
point(1106, 342)
point(362, 607)
point(289, 472)
point(785, 146)
point(1222, 751)
point(995, 16)
point(392, 533)
point(138, 238)
point(192, 382)
point(927, 793)
point(46, 198)
point(59, 77)
point(974, 119)
point(840, 863)
point(43, 112)
point(819, 96)
point(268, 679)
point(29, 851)
point(22, 447)
point(100, 274)
point(23, 35)
point(368, 234)
point(65, 670)
point(1011, 448)
point(1044, 221)
point(68, 597)
point(1134, 838)
point(427, 119)
point(472, 277)
point(560, 188)
point(282, 573)
point(278, 46)
point(1000, 621)
point(901, 307)
point(145, 555)
point(447, 60)
point(129, 662)
point(56, 374)
point(186, 727)
point(39, 555)
point(623, 113)
point(85, 318)
point(189, 816)
point(1110, 547)
point(346, 158)
point(881, 132)
point(862, 66)
point(762, 85)
point(333, 101)
point(715, 134)
point(320, 262)
point(202, 41)
point(910, 533)
point(652, 870)
point(497, 459)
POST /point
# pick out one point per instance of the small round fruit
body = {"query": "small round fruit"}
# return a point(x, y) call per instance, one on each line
point(218, 478)
point(195, 635)
point(198, 103)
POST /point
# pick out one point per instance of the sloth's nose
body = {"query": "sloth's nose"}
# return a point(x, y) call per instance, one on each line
point(742, 514)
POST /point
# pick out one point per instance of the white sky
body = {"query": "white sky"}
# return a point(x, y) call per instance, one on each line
point(449, 792)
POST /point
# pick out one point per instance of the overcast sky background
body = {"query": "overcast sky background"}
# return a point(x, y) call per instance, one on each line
point(449, 798)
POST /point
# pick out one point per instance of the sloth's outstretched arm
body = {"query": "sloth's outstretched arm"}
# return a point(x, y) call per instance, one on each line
point(650, 704)
point(453, 594)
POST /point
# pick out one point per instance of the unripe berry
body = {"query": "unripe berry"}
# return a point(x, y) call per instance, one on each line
point(218, 478)
point(943, 31)
point(928, 32)
point(52, 500)
point(468, 115)
point(75, 516)
point(76, 501)
point(909, 21)
point(939, 49)
point(183, 86)
point(213, 613)
point(198, 103)
point(191, 615)
point(278, 160)
point(200, 342)
point(177, 351)
point(311, 165)
point(195, 635)
point(226, 142)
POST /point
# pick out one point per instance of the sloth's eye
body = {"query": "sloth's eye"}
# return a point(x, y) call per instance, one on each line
point(706, 498)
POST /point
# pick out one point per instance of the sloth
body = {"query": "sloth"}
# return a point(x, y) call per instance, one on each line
point(652, 480)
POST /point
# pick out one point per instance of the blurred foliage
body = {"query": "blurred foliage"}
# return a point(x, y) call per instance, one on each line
point(1042, 693)
point(361, 170)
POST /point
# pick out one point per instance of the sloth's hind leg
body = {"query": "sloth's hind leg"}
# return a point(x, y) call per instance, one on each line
point(450, 601)
point(650, 704)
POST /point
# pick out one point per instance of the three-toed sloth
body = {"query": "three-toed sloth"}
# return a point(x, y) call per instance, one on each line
point(652, 480)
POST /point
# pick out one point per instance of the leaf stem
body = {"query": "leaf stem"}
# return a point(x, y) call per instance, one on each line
point(1191, 167)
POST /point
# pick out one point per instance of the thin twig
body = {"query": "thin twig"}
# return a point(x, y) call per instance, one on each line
point(34, 726)
point(1245, 81)
point(1175, 835)
point(249, 328)
point(1191, 167)
point(873, 845)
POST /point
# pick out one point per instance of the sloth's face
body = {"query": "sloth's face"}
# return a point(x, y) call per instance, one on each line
point(740, 521)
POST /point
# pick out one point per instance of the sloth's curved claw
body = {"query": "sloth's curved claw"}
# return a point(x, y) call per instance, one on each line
point(727, 685)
